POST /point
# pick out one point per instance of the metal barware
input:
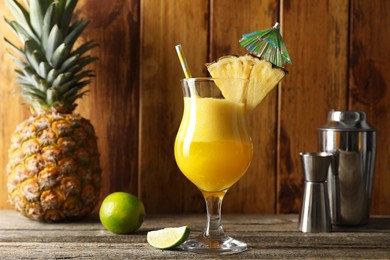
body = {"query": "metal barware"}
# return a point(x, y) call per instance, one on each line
point(352, 141)
point(315, 215)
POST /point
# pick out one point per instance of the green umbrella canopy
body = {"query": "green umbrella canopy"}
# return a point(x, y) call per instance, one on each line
point(268, 44)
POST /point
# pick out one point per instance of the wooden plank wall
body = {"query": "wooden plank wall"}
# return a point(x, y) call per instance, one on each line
point(369, 84)
point(340, 55)
point(316, 84)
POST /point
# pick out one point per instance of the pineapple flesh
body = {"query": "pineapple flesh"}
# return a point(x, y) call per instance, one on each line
point(262, 76)
point(53, 169)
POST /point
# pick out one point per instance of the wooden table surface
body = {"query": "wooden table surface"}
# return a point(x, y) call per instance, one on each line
point(269, 237)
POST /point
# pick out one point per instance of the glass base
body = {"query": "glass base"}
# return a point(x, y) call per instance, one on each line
point(220, 246)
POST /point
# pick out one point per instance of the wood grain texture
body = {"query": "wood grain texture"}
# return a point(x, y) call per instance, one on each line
point(255, 192)
point(113, 101)
point(268, 236)
point(164, 25)
point(369, 81)
point(317, 33)
point(340, 55)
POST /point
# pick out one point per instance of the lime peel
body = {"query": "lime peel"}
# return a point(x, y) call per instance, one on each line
point(122, 213)
point(168, 238)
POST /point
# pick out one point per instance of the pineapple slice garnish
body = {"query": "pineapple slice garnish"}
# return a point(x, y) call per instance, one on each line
point(262, 75)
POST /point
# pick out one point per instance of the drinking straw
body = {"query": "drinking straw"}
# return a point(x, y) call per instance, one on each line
point(183, 61)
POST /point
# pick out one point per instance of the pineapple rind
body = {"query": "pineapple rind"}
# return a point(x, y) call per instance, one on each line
point(53, 169)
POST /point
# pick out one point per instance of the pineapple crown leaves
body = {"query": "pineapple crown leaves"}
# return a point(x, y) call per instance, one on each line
point(51, 72)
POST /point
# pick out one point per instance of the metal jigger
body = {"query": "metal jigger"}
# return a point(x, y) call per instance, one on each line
point(315, 215)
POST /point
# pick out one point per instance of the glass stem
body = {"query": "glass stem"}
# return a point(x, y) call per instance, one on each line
point(214, 228)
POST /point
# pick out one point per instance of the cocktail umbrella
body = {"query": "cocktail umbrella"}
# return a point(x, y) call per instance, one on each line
point(268, 44)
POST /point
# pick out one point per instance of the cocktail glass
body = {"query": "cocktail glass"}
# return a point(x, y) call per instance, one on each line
point(213, 149)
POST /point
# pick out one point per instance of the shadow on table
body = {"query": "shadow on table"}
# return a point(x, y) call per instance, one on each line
point(378, 224)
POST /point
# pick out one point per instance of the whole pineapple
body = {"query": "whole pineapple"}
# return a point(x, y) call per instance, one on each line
point(53, 169)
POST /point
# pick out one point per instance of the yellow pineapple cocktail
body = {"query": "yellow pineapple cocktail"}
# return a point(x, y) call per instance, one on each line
point(213, 149)
point(216, 152)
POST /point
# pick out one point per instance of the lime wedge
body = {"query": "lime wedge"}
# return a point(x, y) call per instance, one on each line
point(168, 238)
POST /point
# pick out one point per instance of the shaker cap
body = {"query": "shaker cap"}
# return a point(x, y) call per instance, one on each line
point(347, 121)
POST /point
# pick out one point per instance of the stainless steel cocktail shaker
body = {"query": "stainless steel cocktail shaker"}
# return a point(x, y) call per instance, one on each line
point(352, 141)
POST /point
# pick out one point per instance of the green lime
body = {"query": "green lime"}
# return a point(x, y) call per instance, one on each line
point(168, 238)
point(122, 213)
